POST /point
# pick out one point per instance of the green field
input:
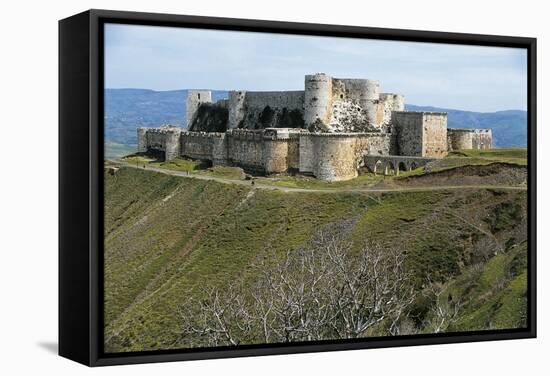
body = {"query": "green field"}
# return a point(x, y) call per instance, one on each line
point(166, 237)
point(113, 150)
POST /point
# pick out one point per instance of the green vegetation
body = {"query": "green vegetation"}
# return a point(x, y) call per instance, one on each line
point(300, 181)
point(493, 295)
point(482, 157)
point(364, 180)
point(113, 150)
point(166, 237)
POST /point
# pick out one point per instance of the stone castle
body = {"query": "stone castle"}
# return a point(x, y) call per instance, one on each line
point(329, 130)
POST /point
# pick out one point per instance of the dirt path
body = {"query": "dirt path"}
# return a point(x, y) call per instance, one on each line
point(257, 185)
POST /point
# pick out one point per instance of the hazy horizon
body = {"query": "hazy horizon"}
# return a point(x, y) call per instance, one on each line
point(468, 78)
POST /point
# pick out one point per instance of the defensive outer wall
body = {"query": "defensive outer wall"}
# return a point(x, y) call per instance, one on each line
point(328, 130)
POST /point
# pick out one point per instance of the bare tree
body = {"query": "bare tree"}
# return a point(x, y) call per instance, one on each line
point(444, 312)
point(324, 290)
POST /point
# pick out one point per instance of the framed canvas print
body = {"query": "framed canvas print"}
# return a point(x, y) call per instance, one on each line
point(236, 187)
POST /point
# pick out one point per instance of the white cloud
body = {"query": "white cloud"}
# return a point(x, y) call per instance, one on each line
point(466, 77)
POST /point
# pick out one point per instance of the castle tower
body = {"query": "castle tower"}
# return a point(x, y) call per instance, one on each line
point(318, 100)
point(172, 143)
point(369, 95)
point(142, 140)
point(194, 100)
point(421, 134)
point(236, 108)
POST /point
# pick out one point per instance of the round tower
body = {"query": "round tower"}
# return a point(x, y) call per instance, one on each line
point(335, 156)
point(317, 100)
point(459, 139)
point(369, 90)
point(369, 96)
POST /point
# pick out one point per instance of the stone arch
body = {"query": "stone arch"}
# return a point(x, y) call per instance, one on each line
point(401, 167)
point(390, 168)
point(413, 166)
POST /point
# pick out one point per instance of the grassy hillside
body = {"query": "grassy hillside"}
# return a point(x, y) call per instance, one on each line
point(494, 295)
point(496, 167)
point(166, 236)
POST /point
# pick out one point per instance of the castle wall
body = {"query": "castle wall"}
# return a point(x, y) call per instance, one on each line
point(165, 139)
point(378, 143)
point(409, 133)
point(219, 150)
point(275, 156)
point(194, 100)
point(245, 149)
point(466, 138)
point(355, 104)
point(459, 139)
point(281, 150)
point(293, 158)
point(142, 140)
point(435, 134)
point(236, 109)
point(335, 156)
point(198, 145)
point(306, 153)
point(156, 140)
point(266, 109)
point(421, 134)
point(482, 139)
point(388, 103)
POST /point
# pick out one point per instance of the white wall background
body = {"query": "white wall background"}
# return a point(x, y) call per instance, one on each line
point(28, 186)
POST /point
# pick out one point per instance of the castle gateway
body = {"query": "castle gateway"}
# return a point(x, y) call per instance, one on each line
point(328, 130)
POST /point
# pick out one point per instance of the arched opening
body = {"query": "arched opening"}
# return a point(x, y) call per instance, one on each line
point(413, 166)
point(390, 168)
point(377, 167)
point(402, 167)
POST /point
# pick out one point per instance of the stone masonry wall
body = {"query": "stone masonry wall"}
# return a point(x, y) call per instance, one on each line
point(409, 133)
point(435, 134)
point(466, 138)
point(194, 99)
point(459, 139)
point(421, 134)
point(335, 156)
point(306, 156)
point(199, 145)
point(269, 109)
point(482, 139)
point(142, 140)
point(318, 101)
point(245, 149)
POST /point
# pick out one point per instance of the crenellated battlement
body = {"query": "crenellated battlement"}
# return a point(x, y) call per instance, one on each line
point(325, 129)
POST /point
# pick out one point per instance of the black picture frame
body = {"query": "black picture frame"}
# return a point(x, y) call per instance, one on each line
point(81, 184)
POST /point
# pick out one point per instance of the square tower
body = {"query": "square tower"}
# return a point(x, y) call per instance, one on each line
point(421, 134)
point(194, 100)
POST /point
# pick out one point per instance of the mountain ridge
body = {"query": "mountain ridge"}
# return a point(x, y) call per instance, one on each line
point(129, 108)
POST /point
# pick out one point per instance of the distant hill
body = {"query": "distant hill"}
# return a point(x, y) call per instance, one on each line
point(128, 109)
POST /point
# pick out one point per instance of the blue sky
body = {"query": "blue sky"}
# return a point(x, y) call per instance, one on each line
point(451, 76)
